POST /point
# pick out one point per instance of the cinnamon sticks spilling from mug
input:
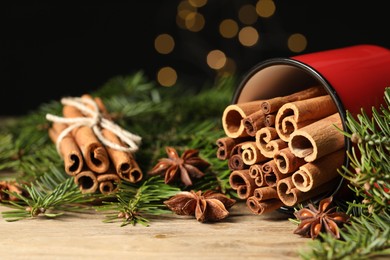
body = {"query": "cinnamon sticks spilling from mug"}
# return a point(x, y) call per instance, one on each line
point(282, 151)
point(93, 147)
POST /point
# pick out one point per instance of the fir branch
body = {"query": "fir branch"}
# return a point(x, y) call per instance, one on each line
point(51, 195)
point(370, 176)
point(134, 203)
point(365, 238)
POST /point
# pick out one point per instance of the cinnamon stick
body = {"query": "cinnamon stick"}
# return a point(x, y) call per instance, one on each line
point(225, 146)
point(290, 195)
point(265, 193)
point(272, 105)
point(270, 120)
point(242, 182)
point(287, 162)
point(94, 153)
point(251, 154)
point(254, 122)
point(268, 141)
point(256, 174)
point(124, 162)
point(108, 182)
point(68, 149)
point(233, 115)
point(314, 174)
point(236, 162)
point(294, 115)
point(272, 175)
point(317, 139)
point(86, 181)
point(263, 207)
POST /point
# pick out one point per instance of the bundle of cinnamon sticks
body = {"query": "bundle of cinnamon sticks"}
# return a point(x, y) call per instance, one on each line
point(284, 150)
point(95, 166)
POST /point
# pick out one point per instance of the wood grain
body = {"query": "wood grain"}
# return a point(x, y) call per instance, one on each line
point(243, 235)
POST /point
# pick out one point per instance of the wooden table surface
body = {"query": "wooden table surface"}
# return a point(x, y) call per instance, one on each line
point(242, 235)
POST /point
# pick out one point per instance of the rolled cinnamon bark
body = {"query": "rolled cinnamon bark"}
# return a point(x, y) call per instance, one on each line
point(290, 195)
point(94, 153)
point(314, 174)
point(256, 174)
point(225, 146)
point(270, 120)
point(233, 115)
point(294, 115)
point(317, 139)
point(68, 149)
point(265, 193)
point(262, 207)
point(268, 141)
point(272, 175)
point(251, 154)
point(254, 122)
point(87, 181)
point(123, 162)
point(274, 104)
point(242, 182)
point(287, 162)
point(108, 182)
point(236, 162)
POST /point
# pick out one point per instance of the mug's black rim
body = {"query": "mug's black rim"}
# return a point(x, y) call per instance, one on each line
point(331, 91)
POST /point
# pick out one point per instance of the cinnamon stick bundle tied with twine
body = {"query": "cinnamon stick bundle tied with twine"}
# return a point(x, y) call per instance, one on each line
point(284, 150)
point(97, 153)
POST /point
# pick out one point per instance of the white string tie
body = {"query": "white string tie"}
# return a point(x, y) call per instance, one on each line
point(96, 122)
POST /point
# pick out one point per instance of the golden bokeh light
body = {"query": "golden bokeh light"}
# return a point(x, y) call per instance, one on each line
point(184, 8)
point(247, 14)
point(229, 68)
point(164, 43)
point(297, 42)
point(194, 22)
point(248, 36)
point(167, 76)
point(197, 3)
point(216, 59)
point(228, 28)
point(265, 8)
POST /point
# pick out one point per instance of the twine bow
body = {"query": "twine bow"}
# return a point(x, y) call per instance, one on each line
point(96, 122)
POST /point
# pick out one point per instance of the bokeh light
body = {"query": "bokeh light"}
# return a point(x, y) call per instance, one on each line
point(247, 14)
point(164, 43)
point(184, 8)
point(228, 69)
point(216, 59)
point(265, 8)
point(197, 3)
point(228, 28)
point(248, 36)
point(194, 22)
point(167, 76)
point(297, 42)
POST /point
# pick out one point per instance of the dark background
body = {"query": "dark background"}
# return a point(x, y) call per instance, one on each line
point(52, 50)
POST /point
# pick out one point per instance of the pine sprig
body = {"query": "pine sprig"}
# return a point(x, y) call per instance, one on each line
point(365, 238)
point(370, 177)
point(51, 195)
point(134, 203)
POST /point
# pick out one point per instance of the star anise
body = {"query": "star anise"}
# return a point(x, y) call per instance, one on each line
point(207, 207)
point(186, 167)
point(324, 219)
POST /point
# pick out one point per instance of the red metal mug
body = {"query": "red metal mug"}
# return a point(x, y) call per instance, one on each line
point(355, 77)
